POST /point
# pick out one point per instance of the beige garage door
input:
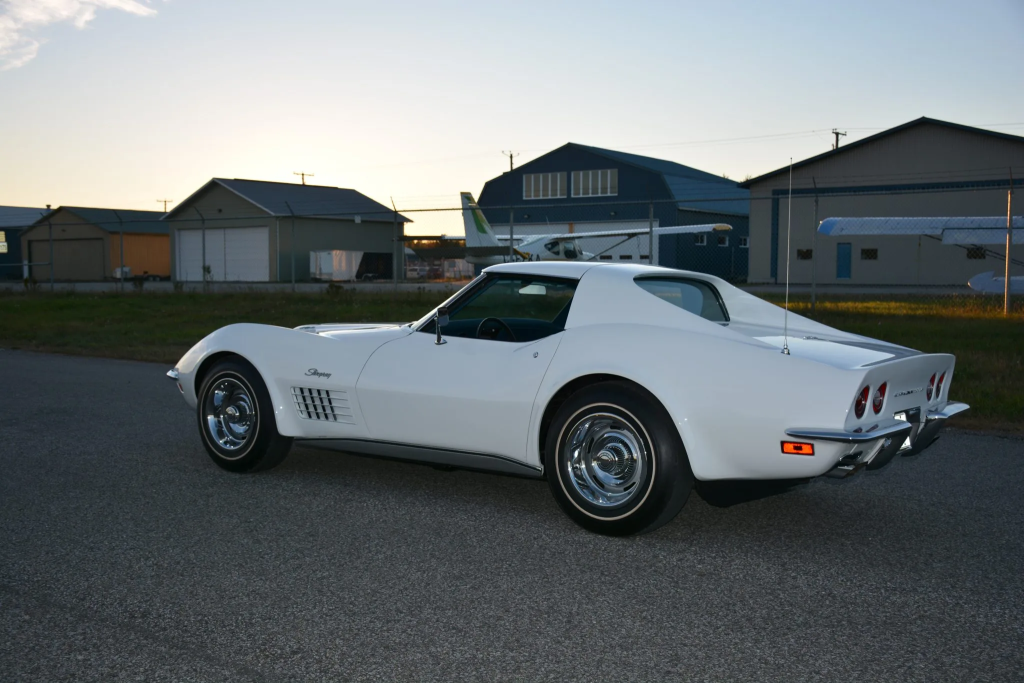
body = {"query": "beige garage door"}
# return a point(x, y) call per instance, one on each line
point(77, 260)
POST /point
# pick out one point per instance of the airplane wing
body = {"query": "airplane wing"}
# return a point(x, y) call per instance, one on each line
point(983, 235)
point(988, 283)
point(633, 232)
point(952, 230)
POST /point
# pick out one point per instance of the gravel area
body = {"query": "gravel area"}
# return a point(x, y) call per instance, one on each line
point(126, 554)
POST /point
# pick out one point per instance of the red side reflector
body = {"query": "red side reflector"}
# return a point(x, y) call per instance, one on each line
point(797, 448)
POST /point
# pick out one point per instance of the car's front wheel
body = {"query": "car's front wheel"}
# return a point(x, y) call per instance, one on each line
point(615, 462)
point(236, 419)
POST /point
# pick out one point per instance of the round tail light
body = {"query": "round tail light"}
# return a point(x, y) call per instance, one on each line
point(931, 388)
point(861, 403)
point(938, 389)
point(879, 398)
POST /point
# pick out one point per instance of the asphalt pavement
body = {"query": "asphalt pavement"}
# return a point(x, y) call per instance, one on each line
point(126, 554)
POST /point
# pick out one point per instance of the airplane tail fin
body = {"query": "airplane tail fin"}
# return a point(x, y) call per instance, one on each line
point(478, 230)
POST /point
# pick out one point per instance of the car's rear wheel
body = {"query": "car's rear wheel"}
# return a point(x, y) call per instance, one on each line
point(615, 462)
point(236, 419)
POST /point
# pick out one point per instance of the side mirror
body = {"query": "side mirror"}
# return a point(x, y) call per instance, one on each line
point(440, 319)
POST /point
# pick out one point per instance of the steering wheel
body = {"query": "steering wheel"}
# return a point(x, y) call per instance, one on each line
point(500, 322)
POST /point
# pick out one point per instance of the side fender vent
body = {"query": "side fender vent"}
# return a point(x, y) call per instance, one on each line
point(322, 404)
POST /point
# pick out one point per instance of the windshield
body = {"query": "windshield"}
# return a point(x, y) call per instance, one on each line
point(430, 314)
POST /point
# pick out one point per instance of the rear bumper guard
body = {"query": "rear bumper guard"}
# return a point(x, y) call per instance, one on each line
point(933, 424)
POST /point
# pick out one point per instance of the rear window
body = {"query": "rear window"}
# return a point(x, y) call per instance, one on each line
point(694, 296)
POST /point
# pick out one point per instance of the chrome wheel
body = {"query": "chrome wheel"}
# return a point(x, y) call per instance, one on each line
point(230, 414)
point(606, 459)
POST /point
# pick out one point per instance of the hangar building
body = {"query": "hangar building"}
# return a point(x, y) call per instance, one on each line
point(257, 231)
point(922, 168)
point(577, 188)
point(13, 220)
point(87, 244)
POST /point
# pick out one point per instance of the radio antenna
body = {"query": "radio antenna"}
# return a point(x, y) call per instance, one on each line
point(789, 226)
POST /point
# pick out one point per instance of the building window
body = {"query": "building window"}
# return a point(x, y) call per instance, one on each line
point(645, 257)
point(625, 257)
point(544, 186)
point(804, 254)
point(603, 183)
point(606, 257)
point(977, 253)
point(723, 240)
point(700, 240)
point(744, 243)
point(868, 254)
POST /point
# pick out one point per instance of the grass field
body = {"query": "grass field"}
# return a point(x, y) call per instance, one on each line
point(161, 327)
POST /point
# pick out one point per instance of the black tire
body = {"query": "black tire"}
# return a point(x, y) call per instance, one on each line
point(246, 441)
point(620, 414)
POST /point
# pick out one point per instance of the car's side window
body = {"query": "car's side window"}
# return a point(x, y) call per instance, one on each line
point(511, 308)
point(695, 296)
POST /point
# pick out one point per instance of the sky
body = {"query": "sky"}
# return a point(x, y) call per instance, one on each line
point(119, 103)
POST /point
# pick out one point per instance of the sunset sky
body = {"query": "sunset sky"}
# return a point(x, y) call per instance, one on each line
point(119, 103)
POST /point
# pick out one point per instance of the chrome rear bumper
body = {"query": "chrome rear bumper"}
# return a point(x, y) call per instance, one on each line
point(880, 446)
point(851, 437)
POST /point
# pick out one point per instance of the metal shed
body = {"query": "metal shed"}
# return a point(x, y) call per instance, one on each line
point(579, 188)
point(87, 242)
point(13, 221)
point(922, 168)
point(258, 231)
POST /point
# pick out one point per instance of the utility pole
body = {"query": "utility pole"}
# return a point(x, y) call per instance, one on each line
point(1009, 243)
point(510, 156)
point(292, 244)
point(303, 174)
point(837, 134)
point(650, 234)
point(397, 244)
point(165, 202)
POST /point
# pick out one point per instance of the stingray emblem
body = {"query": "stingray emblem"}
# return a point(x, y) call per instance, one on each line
point(907, 392)
point(313, 372)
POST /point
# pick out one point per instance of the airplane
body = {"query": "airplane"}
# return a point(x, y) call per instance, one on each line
point(484, 249)
point(967, 231)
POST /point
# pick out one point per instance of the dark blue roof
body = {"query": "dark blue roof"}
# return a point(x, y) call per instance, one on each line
point(116, 220)
point(313, 201)
point(19, 216)
point(692, 188)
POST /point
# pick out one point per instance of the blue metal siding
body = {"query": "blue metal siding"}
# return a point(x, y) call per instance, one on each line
point(10, 261)
point(642, 183)
point(635, 185)
point(730, 263)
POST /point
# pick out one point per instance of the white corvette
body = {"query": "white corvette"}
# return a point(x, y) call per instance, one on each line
point(619, 384)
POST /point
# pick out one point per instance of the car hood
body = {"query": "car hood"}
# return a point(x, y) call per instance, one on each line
point(349, 330)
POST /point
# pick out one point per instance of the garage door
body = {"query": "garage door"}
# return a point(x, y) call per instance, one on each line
point(76, 260)
point(232, 254)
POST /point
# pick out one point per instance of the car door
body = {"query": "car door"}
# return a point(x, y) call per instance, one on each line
point(475, 392)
